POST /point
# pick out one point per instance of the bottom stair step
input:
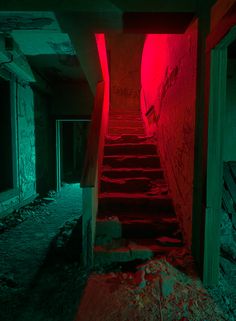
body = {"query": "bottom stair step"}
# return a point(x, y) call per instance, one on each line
point(109, 243)
point(131, 251)
point(117, 202)
point(137, 227)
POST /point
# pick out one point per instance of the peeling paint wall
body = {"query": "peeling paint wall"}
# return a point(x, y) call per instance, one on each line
point(25, 184)
point(168, 85)
point(26, 132)
point(229, 150)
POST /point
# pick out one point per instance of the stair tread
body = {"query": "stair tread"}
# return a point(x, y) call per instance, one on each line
point(136, 246)
point(133, 196)
point(134, 185)
point(133, 169)
point(119, 172)
point(131, 156)
point(138, 220)
point(127, 136)
point(136, 214)
point(130, 145)
point(160, 181)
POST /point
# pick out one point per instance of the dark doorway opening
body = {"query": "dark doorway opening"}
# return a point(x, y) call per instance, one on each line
point(6, 168)
point(71, 146)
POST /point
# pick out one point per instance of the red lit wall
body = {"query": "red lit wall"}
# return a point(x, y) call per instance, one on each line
point(102, 52)
point(168, 79)
point(125, 54)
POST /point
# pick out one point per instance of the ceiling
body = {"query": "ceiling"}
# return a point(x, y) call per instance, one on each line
point(101, 5)
point(58, 39)
point(49, 50)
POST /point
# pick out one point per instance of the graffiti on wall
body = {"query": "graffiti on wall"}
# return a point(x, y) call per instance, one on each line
point(126, 92)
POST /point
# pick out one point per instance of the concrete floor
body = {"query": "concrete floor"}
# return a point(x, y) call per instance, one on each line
point(33, 286)
point(166, 289)
point(27, 280)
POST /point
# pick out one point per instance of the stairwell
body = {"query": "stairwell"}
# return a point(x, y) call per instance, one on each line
point(136, 218)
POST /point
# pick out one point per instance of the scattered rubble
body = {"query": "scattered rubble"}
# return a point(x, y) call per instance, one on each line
point(67, 245)
point(157, 290)
point(32, 285)
point(35, 208)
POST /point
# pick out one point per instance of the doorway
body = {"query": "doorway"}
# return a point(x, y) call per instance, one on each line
point(219, 149)
point(71, 138)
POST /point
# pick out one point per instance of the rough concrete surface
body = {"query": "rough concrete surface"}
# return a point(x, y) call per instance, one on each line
point(34, 285)
point(37, 286)
point(151, 291)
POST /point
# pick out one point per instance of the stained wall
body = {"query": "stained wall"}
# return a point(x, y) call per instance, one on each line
point(124, 57)
point(168, 99)
point(24, 149)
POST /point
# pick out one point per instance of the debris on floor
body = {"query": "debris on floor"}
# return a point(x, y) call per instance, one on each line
point(157, 290)
point(37, 207)
point(35, 285)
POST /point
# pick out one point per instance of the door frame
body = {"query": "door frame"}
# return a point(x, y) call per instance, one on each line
point(58, 155)
point(58, 150)
point(214, 178)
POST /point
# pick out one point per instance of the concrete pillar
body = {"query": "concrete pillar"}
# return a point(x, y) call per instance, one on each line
point(199, 175)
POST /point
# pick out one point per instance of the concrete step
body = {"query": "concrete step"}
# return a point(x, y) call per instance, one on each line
point(153, 173)
point(119, 122)
point(113, 227)
point(127, 139)
point(113, 243)
point(124, 112)
point(146, 161)
point(130, 149)
point(123, 203)
point(134, 185)
point(126, 130)
point(130, 251)
point(136, 214)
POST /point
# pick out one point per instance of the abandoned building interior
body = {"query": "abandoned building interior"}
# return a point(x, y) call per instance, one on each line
point(118, 160)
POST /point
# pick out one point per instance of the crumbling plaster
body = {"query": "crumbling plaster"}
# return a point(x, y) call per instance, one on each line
point(25, 187)
point(169, 84)
point(125, 51)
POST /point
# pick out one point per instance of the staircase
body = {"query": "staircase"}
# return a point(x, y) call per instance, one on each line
point(136, 219)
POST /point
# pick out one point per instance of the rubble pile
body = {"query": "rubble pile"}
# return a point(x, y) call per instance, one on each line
point(67, 245)
point(157, 290)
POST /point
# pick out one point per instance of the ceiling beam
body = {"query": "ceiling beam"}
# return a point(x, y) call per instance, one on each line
point(101, 5)
point(84, 43)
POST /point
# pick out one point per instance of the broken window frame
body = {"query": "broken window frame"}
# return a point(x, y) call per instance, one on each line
point(13, 190)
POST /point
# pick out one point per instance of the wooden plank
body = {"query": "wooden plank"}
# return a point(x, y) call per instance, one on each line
point(214, 166)
point(92, 151)
point(218, 11)
point(228, 202)
point(233, 168)
point(212, 247)
point(230, 183)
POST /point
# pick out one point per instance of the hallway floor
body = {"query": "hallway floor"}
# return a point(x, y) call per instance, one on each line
point(36, 283)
